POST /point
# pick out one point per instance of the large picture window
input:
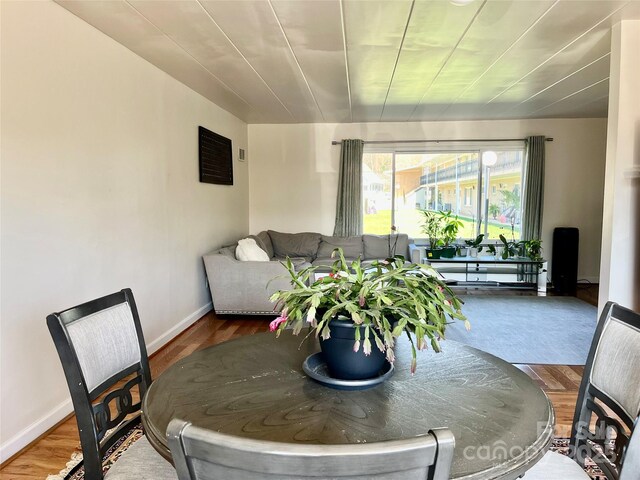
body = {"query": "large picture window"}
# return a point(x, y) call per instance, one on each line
point(485, 195)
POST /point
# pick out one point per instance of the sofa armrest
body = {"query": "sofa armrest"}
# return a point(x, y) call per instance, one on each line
point(244, 287)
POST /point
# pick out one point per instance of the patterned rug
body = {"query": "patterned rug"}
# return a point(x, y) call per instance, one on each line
point(561, 445)
point(75, 468)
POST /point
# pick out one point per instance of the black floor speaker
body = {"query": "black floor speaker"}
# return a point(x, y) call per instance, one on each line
point(564, 273)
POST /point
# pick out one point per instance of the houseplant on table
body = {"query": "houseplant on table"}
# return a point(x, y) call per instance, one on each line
point(451, 225)
point(363, 311)
point(432, 227)
point(475, 245)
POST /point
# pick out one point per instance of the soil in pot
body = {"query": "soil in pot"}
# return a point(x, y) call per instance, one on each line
point(345, 364)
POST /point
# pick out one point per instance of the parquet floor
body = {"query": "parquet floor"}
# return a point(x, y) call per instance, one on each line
point(49, 454)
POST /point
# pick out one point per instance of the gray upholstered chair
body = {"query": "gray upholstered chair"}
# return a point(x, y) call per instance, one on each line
point(201, 454)
point(631, 469)
point(100, 344)
point(610, 396)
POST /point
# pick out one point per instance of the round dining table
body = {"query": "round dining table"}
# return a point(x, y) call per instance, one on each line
point(254, 387)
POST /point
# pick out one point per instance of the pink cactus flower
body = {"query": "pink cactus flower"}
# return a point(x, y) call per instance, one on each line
point(273, 326)
point(366, 346)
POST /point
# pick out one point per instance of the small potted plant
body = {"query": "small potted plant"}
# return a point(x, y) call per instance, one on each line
point(359, 313)
point(432, 227)
point(451, 225)
point(475, 245)
point(510, 248)
point(533, 249)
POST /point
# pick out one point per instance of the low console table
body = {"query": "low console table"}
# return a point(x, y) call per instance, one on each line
point(477, 269)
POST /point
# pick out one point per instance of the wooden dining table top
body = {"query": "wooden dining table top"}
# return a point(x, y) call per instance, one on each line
point(254, 387)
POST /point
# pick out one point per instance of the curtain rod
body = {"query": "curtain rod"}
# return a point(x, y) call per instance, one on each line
point(549, 139)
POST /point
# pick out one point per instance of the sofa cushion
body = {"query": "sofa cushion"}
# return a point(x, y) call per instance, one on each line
point(379, 246)
point(351, 246)
point(249, 251)
point(295, 244)
point(229, 251)
point(299, 263)
point(265, 243)
point(326, 263)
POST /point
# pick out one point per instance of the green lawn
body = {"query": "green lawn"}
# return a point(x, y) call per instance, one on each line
point(410, 222)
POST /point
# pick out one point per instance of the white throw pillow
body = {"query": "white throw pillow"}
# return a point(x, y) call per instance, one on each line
point(249, 251)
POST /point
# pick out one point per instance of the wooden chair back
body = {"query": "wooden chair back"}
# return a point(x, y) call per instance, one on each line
point(100, 343)
point(201, 454)
point(610, 391)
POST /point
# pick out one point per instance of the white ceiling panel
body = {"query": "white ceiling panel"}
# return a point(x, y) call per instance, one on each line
point(300, 61)
point(589, 75)
point(314, 31)
point(563, 28)
point(254, 29)
point(374, 31)
point(498, 27)
point(576, 102)
point(433, 32)
point(190, 27)
point(570, 62)
point(120, 21)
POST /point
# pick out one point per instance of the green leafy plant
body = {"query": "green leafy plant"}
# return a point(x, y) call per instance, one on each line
point(451, 226)
point(512, 201)
point(533, 249)
point(476, 243)
point(524, 248)
point(389, 298)
point(494, 210)
point(511, 247)
point(441, 227)
point(432, 227)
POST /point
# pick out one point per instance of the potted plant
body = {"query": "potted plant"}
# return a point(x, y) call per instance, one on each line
point(451, 225)
point(511, 247)
point(359, 313)
point(533, 249)
point(495, 250)
point(462, 250)
point(474, 245)
point(432, 227)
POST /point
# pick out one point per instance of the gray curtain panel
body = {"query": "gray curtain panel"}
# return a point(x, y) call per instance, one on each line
point(349, 204)
point(533, 188)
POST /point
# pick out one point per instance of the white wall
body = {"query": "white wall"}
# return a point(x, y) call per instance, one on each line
point(100, 191)
point(621, 233)
point(294, 172)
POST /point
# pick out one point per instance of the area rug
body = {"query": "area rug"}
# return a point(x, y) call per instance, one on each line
point(527, 329)
point(75, 468)
point(561, 446)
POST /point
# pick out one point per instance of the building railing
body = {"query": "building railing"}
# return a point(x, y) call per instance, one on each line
point(467, 169)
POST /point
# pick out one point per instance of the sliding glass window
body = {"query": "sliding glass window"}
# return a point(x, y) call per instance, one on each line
point(482, 186)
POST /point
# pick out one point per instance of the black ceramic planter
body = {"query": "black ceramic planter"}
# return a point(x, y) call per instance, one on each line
point(448, 252)
point(342, 362)
point(433, 254)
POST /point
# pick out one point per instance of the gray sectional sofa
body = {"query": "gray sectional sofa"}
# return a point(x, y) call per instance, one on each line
point(239, 287)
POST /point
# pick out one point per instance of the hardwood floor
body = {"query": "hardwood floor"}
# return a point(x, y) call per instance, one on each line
point(49, 454)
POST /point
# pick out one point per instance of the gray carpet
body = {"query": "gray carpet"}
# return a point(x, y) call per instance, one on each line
point(534, 330)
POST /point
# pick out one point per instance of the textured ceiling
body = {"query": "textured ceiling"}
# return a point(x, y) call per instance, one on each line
point(298, 61)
